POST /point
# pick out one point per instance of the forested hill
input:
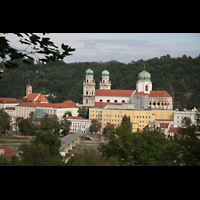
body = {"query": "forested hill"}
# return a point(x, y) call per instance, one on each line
point(178, 76)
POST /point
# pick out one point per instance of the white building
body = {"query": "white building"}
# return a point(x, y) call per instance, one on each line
point(114, 96)
point(8, 102)
point(79, 124)
point(179, 116)
point(143, 97)
point(40, 109)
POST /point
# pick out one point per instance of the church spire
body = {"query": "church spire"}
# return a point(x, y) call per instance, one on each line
point(29, 83)
point(28, 88)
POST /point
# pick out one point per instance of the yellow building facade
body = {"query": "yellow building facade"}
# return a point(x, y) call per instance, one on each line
point(139, 118)
point(164, 115)
point(95, 113)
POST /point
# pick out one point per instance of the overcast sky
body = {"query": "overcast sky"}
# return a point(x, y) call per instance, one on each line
point(123, 47)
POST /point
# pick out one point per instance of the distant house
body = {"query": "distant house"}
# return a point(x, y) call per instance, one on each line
point(36, 97)
point(164, 126)
point(8, 102)
point(15, 125)
point(79, 124)
point(172, 131)
point(7, 151)
point(1, 70)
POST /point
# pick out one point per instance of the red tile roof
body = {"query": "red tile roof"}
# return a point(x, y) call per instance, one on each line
point(164, 119)
point(71, 103)
point(173, 130)
point(8, 151)
point(140, 93)
point(73, 117)
point(17, 122)
point(10, 108)
point(127, 93)
point(164, 125)
point(159, 94)
point(8, 100)
point(48, 105)
point(36, 97)
point(120, 93)
point(102, 104)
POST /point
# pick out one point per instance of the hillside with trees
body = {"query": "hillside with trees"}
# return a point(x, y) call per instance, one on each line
point(178, 76)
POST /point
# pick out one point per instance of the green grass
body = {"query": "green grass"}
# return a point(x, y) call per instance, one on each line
point(6, 141)
point(16, 138)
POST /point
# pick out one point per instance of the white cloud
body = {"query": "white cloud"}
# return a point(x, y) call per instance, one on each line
point(90, 43)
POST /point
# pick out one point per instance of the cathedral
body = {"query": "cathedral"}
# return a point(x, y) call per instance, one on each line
point(143, 97)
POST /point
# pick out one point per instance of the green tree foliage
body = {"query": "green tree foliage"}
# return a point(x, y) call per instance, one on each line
point(187, 139)
point(26, 127)
point(65, 125)
point(127, 122)
point(90, 158)
point(43, 150)
point(83, 112)
point(4, 160)
point(35, 45)
point(4, 121)
point(178, 76)
point(147, 148)
point(38, 155)
point(68, 113)
point(95, 126)
point(50, 122)
point(108, 128)
point(50, 139)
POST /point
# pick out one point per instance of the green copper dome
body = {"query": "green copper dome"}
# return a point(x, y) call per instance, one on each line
point(89, 72)
point(105, 73)
point(144, 76)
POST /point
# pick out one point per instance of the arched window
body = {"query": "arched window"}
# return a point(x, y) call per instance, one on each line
point(146, 88)
point(150, 103)
point(108, 100)
point(87, 93)
point(158, 103)
point(100, 100)
point(154, 103)
point(86, 101)
point(115, 100)
point(123, 101)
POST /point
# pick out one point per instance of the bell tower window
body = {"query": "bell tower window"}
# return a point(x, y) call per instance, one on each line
point(146, 88)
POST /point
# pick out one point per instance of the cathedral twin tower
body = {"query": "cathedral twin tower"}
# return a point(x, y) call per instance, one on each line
point(143, 96)
point(89, 86)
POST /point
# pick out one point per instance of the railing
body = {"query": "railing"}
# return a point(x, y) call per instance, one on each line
point(69, 141)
